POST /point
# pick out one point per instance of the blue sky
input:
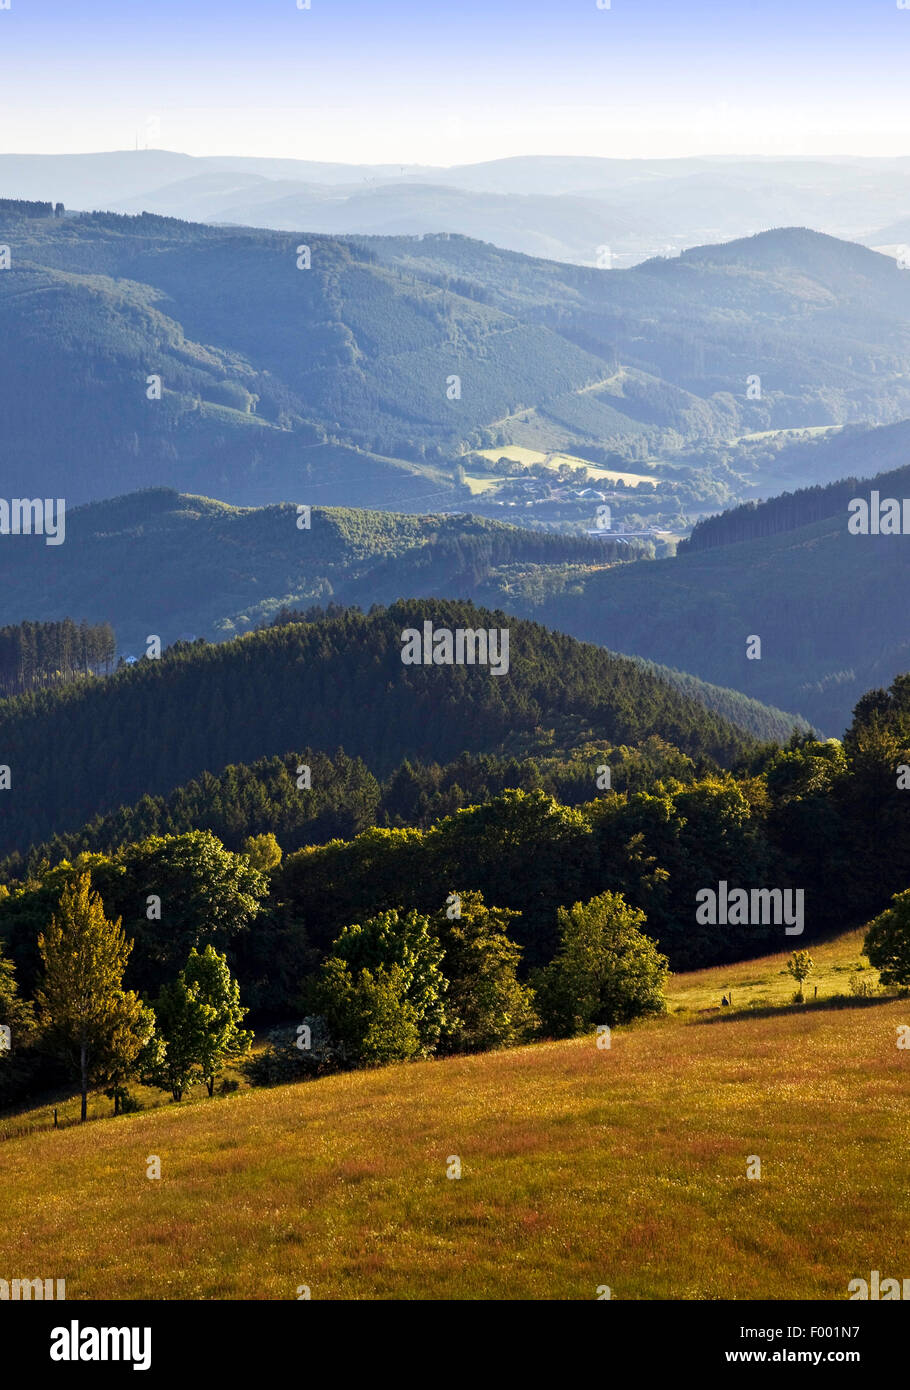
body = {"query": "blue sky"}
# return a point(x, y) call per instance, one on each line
point(441, 82)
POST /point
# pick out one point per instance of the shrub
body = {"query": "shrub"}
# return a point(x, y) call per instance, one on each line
point(284, 1058)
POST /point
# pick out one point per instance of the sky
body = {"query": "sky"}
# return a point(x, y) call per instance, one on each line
point(438, 82)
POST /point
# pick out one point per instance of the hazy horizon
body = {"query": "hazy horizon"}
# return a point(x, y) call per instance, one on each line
point(358, 83)
point(315, 157)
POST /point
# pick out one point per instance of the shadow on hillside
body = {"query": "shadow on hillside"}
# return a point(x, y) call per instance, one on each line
point(836, 1001)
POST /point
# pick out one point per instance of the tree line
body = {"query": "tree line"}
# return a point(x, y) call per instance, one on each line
point(756, 520)
point(395, 985)
point(39, 654)
point(344, 798)
point(105, 1035)
point(22, 207)
point(828, 818)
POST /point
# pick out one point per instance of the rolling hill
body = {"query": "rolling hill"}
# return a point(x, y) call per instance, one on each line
point(176, 565)
point(184, 567)
point(562, 207)
point(846, 464)
point(365, 378)
point(828, 606)
point(815, 318)
point(265, 369)
point(336, 683)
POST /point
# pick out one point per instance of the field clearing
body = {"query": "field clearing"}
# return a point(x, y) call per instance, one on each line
point(756, 983)
point(518, 454)
point(581, 1167)
point(481, 485)
point(813, 430)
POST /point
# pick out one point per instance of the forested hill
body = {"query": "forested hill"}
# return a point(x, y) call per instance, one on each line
point(257, 364)
point(790, 305)
point(765, 722)
point(829, 608)
point(175, 565)
point(861, 449)
point(344, 798)
point(281, 361)
point(181, 567)
point(336, 683)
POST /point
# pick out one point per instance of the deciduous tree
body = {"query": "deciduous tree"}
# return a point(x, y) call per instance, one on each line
point(606, 970)
point(887, 941)
point(84, 1011)
point(223, 1039)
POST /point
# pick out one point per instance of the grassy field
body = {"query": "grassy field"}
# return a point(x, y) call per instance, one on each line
point(756, 983)
point(813, 430)
point(580, 1167)
point(480, 485)
point(518, 454)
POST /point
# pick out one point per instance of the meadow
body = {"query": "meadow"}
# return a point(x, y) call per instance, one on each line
point(518, 454)
point(580, 1167)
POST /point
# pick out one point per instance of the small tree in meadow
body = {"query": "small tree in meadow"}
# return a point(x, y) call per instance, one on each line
point(800, 965)
point(368, 1013)
point(488, 1004)
point(199, 1015)
point(118, 1061)
point(182, 1020)
point(382, 991)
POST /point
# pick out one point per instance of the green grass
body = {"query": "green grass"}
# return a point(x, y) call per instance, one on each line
point(518, 454)
point(211, 410)
point(580, 1167)
point(101, 1107)
point(813, 430)
point(480, 485)
point(767, 981)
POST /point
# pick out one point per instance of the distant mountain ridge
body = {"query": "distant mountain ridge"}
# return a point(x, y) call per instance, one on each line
point(208, 360)
point(828, 606)
point(164, 562)
point(560, 206)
